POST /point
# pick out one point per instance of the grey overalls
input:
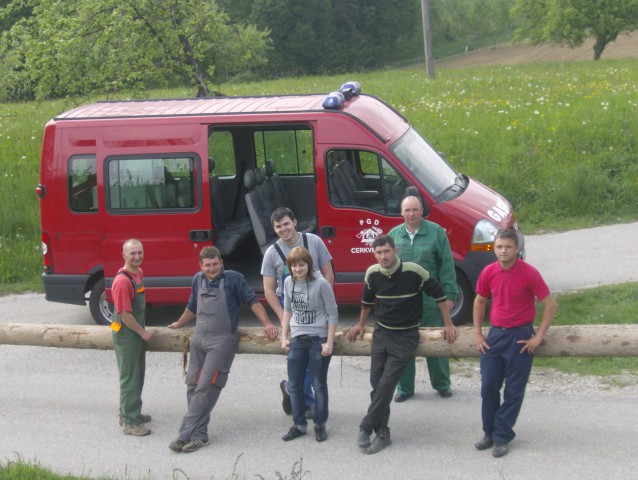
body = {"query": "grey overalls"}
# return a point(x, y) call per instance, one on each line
point(212, 350)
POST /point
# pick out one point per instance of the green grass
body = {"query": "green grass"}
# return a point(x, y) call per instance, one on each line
point(558, 140)
point(32, 470)
point(614, 304)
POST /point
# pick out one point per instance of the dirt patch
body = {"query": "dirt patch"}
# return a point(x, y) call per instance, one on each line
point(626, 46)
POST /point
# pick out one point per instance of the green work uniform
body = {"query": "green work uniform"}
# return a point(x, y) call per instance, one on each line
point(430, 249)
point(130, 352)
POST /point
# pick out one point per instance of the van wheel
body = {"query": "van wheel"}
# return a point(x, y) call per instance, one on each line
point(462, 311)
point(101, 310)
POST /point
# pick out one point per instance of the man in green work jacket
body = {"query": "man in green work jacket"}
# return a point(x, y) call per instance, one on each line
point(426, 244)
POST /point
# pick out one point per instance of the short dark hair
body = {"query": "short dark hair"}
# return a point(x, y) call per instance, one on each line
point(279, 213)
point(507, 234)
point(383, 240)
point(210, 253)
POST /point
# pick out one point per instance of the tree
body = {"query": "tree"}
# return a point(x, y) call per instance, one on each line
point(70, 48)
point(571, 22)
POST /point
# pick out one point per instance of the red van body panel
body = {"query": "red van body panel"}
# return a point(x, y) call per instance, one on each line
point(89, 211)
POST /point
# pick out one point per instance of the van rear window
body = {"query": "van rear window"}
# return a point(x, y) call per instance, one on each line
point(82, 183)
point(151, 183)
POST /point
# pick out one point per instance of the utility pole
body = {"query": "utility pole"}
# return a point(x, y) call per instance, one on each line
point(427, 38)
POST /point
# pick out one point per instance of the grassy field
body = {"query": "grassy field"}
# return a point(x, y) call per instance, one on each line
point(558, 140)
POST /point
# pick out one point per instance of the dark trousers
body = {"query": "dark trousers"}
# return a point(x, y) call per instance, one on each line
point(390, 353)
point(503, 363)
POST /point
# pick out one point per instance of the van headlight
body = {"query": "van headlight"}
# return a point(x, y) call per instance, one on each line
point(483, 236)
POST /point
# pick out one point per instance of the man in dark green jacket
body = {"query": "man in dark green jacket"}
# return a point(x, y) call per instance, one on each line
point(426, 244)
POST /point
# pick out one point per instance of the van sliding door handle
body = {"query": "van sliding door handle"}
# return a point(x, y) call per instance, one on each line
point(200, 235)
point(328, 232)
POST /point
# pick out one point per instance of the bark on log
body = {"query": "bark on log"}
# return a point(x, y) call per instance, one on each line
point(560, 341)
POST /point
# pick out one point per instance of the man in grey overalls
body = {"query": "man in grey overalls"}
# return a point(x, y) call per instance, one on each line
point(216, 297)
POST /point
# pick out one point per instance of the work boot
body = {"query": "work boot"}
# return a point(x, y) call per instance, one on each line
point(364, 439)
point(484, 443)
point(379, 443)
point(499, 450)
point(136, 430)
point(402, 397)
point(141, 417)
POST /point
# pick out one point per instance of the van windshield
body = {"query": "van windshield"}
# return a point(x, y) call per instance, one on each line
point(432, 171)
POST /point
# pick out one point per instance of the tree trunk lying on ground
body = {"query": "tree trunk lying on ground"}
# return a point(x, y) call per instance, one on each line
point(560, 341)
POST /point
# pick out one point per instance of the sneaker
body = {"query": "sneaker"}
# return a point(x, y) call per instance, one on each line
point(286, 404)
point(293, 433)
point(177, 445)
point(320, 433)
point(136, 430)
point(401, 397)
point(364, 439)
point(310, 412)
point(142, 418)
point(447, 393)
point(484, 443)
point(499, 450)
point(378, 444)
point(194, 445)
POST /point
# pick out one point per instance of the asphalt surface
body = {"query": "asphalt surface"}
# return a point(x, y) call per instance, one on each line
point(59, 406)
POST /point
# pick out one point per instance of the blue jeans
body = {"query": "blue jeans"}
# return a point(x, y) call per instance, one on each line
point(503, 362)
point(305, 353)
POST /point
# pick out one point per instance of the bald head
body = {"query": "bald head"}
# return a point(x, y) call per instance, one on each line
point(133, 253)
point(412, 212)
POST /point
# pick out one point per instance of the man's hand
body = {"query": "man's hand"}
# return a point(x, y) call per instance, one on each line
point(530, 345)
point(354, 331)
point(147, 335)
point(450, 333)
point(174, 325)
point(285, 344)
point(271, 332)
point(481, 343)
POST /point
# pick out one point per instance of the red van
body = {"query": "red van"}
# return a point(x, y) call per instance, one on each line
point(184, 173)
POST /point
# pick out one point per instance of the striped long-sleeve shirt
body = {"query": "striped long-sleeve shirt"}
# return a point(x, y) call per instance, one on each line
point(397, 293)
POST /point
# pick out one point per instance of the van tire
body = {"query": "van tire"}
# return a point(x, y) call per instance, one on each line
point(101, 310)
point(462, 311)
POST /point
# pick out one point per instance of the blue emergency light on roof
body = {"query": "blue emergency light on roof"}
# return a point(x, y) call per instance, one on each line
point(350, 89)
point(334, 101)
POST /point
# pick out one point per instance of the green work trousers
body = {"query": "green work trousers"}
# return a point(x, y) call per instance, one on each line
point(130, 352)
point(438, 367)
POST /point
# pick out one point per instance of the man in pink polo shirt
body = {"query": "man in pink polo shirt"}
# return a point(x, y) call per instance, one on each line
point(507, 352)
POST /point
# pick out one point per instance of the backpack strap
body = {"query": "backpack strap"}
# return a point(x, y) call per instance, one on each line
point(304, 237)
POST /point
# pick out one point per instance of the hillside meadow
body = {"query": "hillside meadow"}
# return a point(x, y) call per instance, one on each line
point(556, 139)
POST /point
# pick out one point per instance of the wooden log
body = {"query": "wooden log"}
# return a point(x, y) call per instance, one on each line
point(560, 341)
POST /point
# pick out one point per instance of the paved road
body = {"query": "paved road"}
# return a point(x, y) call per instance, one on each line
point(59, 406)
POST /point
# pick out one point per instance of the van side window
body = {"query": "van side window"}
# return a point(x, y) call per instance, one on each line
point(290, 149)
point(221, 149)
point(82, 183)
point(151, 183)
point(359, 178)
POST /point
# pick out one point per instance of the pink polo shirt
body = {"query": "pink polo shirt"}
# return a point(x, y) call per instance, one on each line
point(513, 293)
